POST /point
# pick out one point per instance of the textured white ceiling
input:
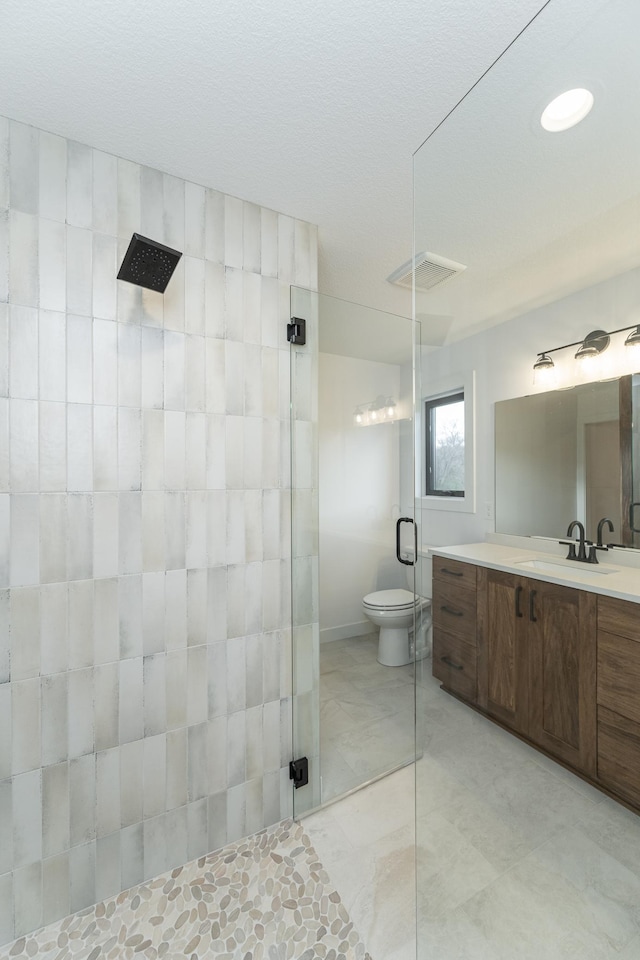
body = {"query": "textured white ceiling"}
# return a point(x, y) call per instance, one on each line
point(311, 108)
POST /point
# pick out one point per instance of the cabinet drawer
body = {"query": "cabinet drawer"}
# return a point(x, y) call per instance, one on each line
point(453, 571)
point(620, 617)
point(454, 664)
point(619, 754)
point(619, 675)
point(454, 610)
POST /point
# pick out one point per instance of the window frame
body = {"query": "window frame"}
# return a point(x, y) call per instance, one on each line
point(429, 387)
point(430, 405)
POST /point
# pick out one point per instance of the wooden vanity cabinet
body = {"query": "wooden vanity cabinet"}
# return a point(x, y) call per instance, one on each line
point(537, 663)
point(454, 626)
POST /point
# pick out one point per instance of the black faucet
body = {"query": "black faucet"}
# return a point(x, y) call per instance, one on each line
point(582, 553)
point(600, 527)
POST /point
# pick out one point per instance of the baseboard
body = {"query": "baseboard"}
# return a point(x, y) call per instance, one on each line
point(346, 630)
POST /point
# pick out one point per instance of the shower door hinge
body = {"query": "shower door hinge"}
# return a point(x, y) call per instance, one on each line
point(297, 331)
point(299, 772)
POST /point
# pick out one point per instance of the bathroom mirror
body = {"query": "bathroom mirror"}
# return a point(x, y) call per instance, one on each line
point(570, 455)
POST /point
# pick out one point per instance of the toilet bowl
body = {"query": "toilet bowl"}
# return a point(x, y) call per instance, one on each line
point(393, 611)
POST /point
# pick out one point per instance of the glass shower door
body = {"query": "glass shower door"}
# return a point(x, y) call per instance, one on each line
point(352, 481)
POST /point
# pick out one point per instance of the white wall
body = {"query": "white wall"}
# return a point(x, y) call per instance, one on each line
point(503, 358)
point(359, 500)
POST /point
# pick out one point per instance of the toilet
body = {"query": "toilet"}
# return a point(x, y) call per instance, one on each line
point(393, 612)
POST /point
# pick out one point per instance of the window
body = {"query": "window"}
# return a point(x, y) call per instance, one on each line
point(444, 446)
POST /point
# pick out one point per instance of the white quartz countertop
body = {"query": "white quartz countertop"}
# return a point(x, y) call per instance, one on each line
point(613, 576)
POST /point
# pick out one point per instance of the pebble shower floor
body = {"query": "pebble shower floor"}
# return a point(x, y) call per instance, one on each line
point(263, 898)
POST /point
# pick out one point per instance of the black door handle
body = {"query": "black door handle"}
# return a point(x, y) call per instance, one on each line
point(518, 610)
point(407, 563)
point(451, 573)
point(532, 598)
point(453, 613)
point(449, 662)
point(632, 516)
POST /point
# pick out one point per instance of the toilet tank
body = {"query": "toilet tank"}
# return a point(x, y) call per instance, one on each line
point(423, 573)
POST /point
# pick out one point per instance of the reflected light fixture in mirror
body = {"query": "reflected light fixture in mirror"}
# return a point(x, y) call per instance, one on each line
point(567, 110)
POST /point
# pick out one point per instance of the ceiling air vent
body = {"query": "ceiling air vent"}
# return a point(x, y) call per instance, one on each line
point(430, 269)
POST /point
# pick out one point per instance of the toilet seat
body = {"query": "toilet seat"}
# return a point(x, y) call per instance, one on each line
point(398, 599)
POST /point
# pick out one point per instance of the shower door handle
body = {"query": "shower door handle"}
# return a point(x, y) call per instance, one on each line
point(408, 563)
point(632, 516)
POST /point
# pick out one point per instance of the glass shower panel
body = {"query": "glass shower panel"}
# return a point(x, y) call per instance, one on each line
point(539, 232)
point(352, 480)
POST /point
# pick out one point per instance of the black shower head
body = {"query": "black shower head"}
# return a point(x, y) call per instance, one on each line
point(148, 264)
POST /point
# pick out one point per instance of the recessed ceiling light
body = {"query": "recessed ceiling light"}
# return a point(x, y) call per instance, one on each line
point(567, 110)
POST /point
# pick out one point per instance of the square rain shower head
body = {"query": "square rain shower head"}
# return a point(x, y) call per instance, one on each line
point(148, 263)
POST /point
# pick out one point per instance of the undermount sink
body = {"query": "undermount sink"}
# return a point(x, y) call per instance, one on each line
point(548, 566)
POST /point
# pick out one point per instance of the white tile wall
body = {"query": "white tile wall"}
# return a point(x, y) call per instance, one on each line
point(145, 645)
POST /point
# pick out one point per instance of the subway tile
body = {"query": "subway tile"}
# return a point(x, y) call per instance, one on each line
point(106, 621)
point(153, 531)
point(197, 704)
point(52, 265)
point(130, 616)
point(235, 546)
point(196, 529)
point(271, 798)
point(252, 317)
point(82, 799)
point(176, 609)
point(53, 177)
point(174, 449)
point(153, 612)
point(6, 731)
point(214, 300)
point(254, 745)
point(53, 537)
point(217, 754)
point(24, 613)
point(270, 384)
point(105, 362)
point(79, 360)
point(5, 265)
point(128, 198)
point(24, 557)
point(105, 193)
point(302, 254)
point(129, 449)
point(174, 370)
point(23, 427)
point(130, 532)
point(23, 353)
point(236, 812)
point(56, 898)
point(79, 185)
point(196, 450)
point(4, 162)
point(233, 304)
point(214, 226)
point(194, 219)
point(105, 535)
point(271, 736)
point(108, 792)
point(105, 448)
point(153, 427)
point(254, 673)
point(132, 856)
point(4, 349)
point(108, 866)
point(197, 774)
point(81, 713)
point(234, 453)
point(215, 376)
point(176, 688)
point(27, 892)
point(23, 258)
point(5, 470)
point(286, 245)
point(79, 272)
point(129, 366)
point(5, 640)
point(175, 531)
point(104, 272)
point(197, 594)
point(254, 806)
point(269, 242)
point(27, 818)
point(197, 829)
point(154, 695)
point(79, 447)
point(155, 775)
point(82, 876)
point(79, 536)
point(54, 650)
point(152, 369)
point(270, 524)
point(252, 380)
point(253, 453)
point(131, 703)
point(54, 694)
point(176, 834)
point(215, 451)
point(155, 846)
point(253, 590)
point(53, 356)
point(195, 373)
point(52, 446)
point(236, 675)
point(233, 222)
point(23, 167)
point(25, 722)
point(251, 237)
point(131, 787)
point(174, 299)
point(235, 600)
point(234, 378)
point(174, 211)
point(271, 595)
point(217, 679)
point(106, 705)
point(81, 617)
point(217, 819)
point(176, 794)
point(194, 296)
point(151, 203)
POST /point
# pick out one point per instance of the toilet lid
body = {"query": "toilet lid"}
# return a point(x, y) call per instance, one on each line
point(390, 598)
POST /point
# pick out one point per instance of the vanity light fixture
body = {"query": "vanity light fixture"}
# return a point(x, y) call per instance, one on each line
point(389, 409)
point(567, 110)
point(380, 410)
point(589, 350)
point(358, 417)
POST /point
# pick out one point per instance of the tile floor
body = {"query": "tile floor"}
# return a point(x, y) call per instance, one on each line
point(264, 898)
point(517, 858)
point(366, 714)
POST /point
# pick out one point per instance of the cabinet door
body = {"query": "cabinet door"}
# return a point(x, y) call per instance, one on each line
point(502, 648)
point(562, 641)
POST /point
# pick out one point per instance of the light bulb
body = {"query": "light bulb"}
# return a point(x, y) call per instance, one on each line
point(566, 110)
